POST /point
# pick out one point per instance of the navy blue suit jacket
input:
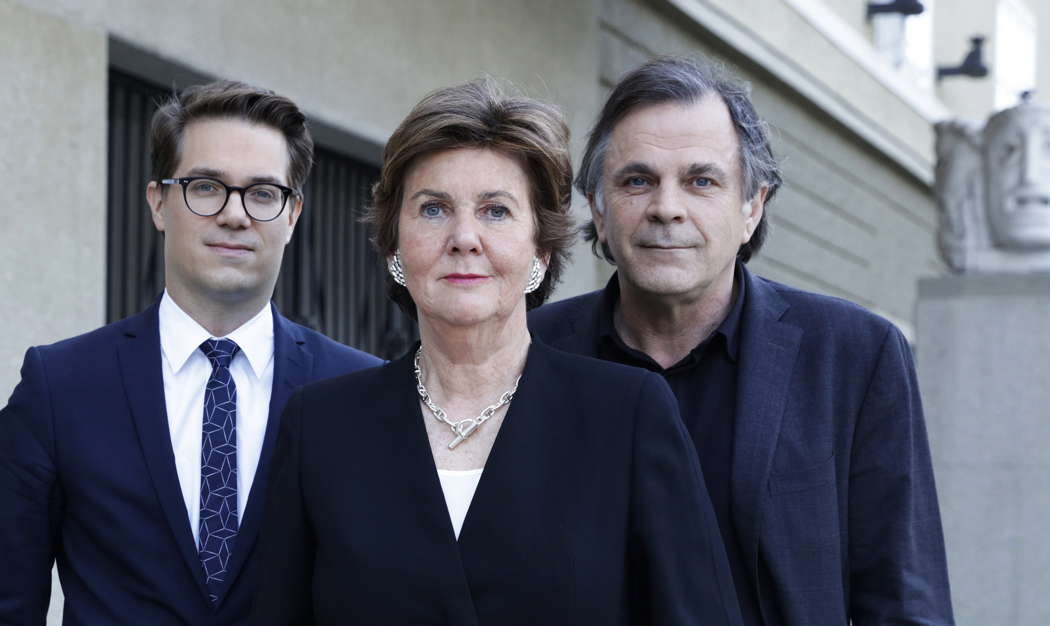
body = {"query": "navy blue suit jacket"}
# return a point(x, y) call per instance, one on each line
point(591, 509)
point(87, 476)
point(832, 489)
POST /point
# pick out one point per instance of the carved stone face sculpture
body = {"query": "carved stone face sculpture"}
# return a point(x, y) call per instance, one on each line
point(1017, 162)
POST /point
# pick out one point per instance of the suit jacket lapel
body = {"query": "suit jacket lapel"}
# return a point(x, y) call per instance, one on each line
point(768, 352)
point(405, 446)
point(581, 336)
point(140, 366)
point(522, 485)
point(292, 368)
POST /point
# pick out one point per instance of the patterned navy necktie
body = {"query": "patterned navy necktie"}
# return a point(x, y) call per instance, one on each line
point(218, 512)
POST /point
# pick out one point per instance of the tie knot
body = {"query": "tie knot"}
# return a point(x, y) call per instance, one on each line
point(219, 351)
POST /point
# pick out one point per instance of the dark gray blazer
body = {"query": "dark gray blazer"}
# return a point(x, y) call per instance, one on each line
point(832, 486)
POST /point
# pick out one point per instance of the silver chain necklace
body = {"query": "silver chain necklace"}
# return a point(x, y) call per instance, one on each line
point(465, 427)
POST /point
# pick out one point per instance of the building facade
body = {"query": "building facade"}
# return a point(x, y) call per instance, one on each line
point(852, 100)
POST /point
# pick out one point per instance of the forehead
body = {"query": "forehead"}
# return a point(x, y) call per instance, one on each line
point(676, 132)
point(236, 147)
point(467, 171)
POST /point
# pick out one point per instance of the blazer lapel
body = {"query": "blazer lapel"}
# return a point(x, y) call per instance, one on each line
point(292, 368)
point(769, 349)
point(519, 488)
point(581, 336)
point(140, 366)
point(404, 445)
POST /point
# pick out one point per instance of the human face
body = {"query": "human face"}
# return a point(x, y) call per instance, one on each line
point(467, 236)
point(1018, 162)
point(227, 257)
point(674, 209)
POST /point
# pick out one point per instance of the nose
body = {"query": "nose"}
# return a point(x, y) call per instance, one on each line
point(1030, 146)
point(465, 237)
point(665, 205)
point(233, 214)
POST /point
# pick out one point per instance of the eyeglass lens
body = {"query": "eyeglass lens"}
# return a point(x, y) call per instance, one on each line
point(261, 201)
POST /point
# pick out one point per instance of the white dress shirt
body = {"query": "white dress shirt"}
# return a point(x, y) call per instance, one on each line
point(459, 487)
point(186, 372)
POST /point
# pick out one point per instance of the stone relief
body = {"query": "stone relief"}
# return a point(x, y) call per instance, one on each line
point(993, 192)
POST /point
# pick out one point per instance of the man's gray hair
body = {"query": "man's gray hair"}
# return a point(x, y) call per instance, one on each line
point(682, 80)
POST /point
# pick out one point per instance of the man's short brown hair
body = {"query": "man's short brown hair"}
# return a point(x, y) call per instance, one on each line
point(479, 114)
point(229, 99)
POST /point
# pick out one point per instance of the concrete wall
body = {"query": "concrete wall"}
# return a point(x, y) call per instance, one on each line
point(53, 168)
point(849, 222)
point(986, 402)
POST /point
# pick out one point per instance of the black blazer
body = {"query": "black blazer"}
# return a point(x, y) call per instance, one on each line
point(832, 488)
point(591, 509)
point(87, 476)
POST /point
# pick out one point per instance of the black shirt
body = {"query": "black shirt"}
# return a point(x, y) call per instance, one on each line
point(704, 382)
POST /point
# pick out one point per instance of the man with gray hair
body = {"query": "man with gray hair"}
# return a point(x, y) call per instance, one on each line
point(804, 408)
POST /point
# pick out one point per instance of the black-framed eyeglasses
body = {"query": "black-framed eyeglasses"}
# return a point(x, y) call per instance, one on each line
point(263, 202)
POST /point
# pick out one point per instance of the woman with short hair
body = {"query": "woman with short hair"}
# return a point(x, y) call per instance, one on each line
point(484, 478)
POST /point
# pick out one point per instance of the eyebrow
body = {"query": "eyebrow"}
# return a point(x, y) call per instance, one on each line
point(221, 175)
point(489, 195)
point(705, 169)
point(635, 167)
point(484, 195)
point(692, 171)
point(440, 195)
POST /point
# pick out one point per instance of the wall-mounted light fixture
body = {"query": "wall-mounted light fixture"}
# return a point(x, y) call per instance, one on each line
point(903, 7)
point(972, 65)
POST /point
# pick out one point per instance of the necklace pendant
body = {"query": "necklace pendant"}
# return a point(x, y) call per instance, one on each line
point(463, 429)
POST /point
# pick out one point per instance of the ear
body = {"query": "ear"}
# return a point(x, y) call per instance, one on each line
point(752, 211)
point(293, 217)
point(598, 217)
point(155, 198)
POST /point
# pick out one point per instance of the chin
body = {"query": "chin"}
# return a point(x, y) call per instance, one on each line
point(232, 286)
point(667, 281)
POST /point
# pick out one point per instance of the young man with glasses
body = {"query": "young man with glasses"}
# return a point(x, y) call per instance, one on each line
point(137, 455)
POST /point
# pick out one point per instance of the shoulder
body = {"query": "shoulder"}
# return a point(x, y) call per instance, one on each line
point(329, 351)
point(556, 318)
point(362, 386)
point(821, 317)
point(95, 343)
point(601, 383)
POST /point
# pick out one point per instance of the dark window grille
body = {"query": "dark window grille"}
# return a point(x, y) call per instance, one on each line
point(331, 279)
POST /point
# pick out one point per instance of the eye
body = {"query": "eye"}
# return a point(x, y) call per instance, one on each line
point(497, 212)
point(264, 194)
point(204, 186)
point(431, 209)
point(702, 182)
point(636, 181)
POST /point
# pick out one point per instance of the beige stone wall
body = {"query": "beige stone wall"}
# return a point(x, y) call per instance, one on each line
point(52, 164)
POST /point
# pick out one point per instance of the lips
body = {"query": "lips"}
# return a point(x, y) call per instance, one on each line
point(229, 248)
point(664, 246)
point(464, 279)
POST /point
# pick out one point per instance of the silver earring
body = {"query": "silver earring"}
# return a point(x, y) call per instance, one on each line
point(396, 270)
point(535, 276)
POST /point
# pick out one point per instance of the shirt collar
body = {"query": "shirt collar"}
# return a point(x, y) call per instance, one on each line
point(729, 328)
point(181, 336)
